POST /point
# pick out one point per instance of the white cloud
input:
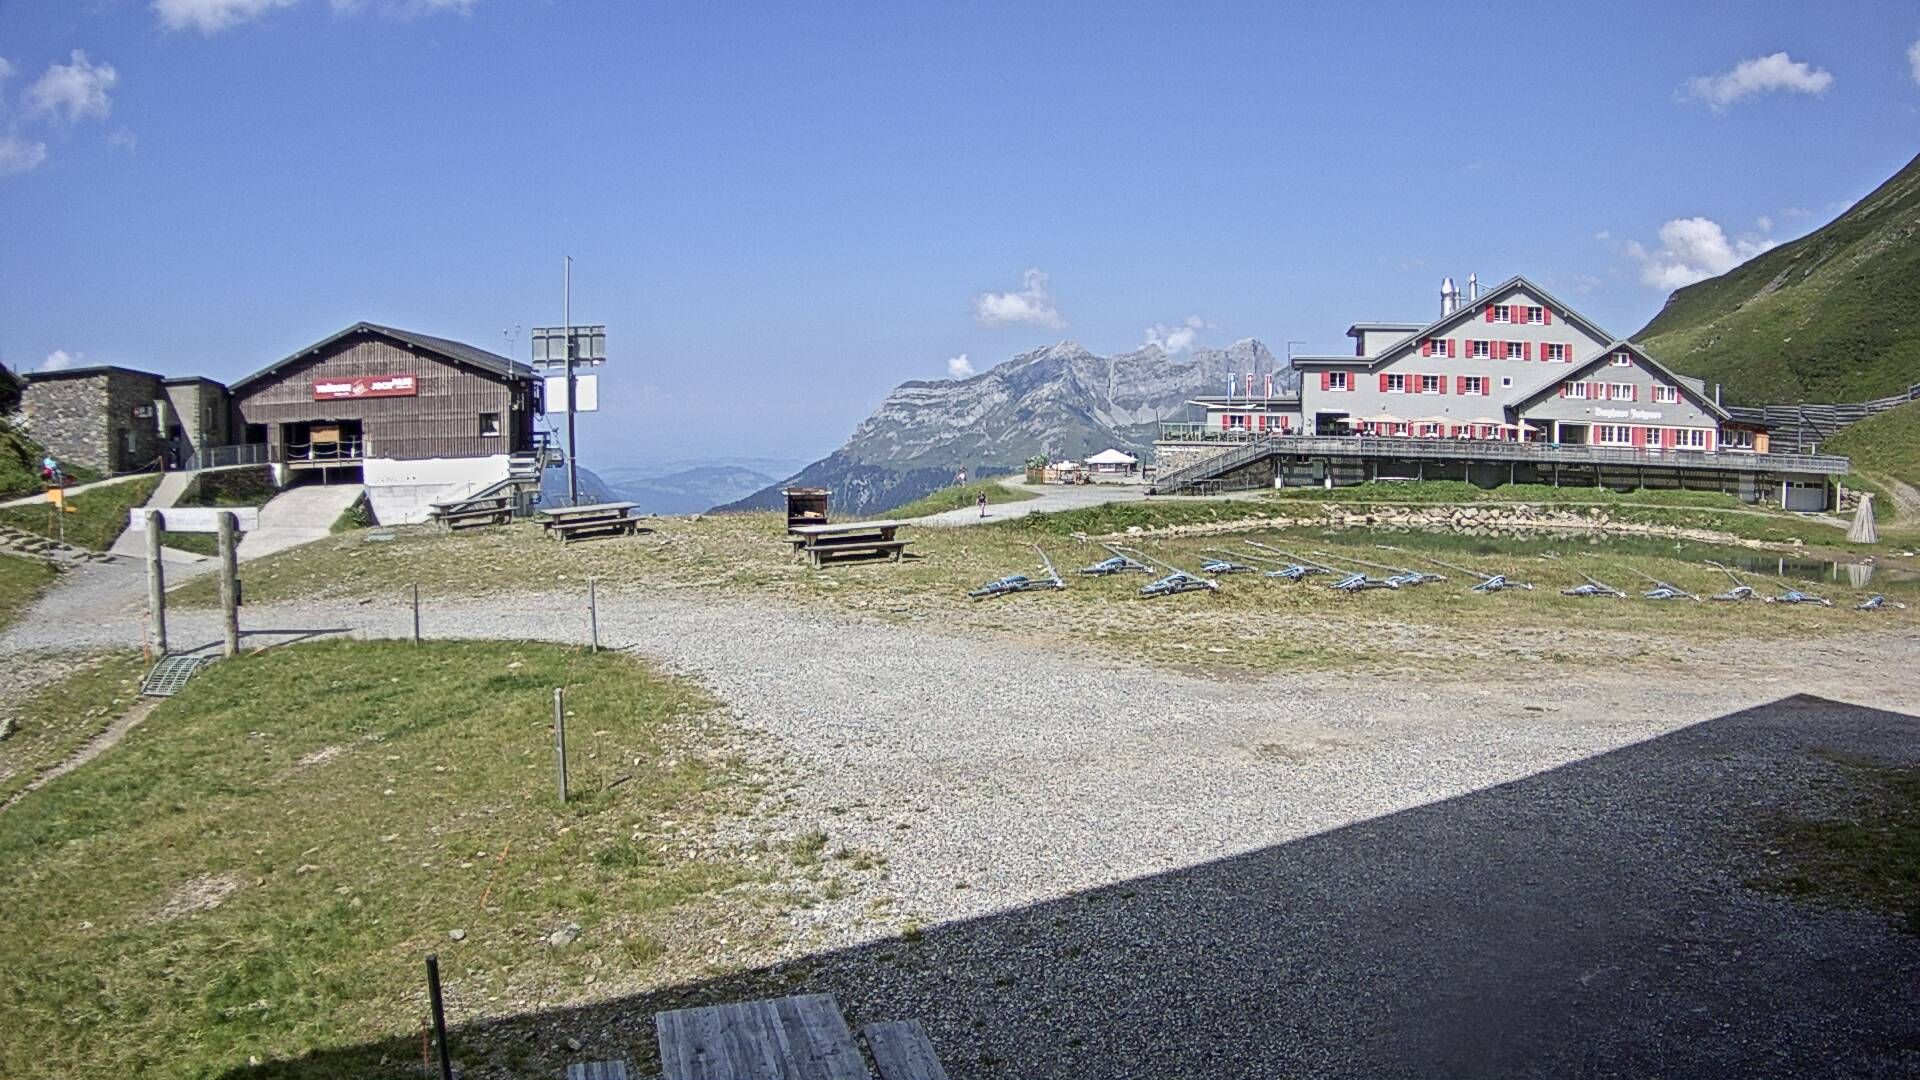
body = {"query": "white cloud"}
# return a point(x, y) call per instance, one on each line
point(405, 8)
point(1758, 76)
point(1032, 304)
point(18, 155)
point(6, 69)
point(1764, 222)
point(70, 93)
point(959, 367)
point(1693, 249)
point(1603, 235)
point(1178, 338)
point(123, 139)
point(1913, 58)
point(212, 16)
point(59, 360)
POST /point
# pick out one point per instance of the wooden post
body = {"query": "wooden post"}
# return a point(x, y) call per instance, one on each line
point(593, 614)
point(230, 580)
point(156, 586)
point(416, 613)
point(560, 740)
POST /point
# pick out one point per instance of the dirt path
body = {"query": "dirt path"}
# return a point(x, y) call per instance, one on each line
point(94, 747)
point(1906, 497)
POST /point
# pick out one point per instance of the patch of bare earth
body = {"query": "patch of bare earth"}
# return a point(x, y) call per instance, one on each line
point(201, 894)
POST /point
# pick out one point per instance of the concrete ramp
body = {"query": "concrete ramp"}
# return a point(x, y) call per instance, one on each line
point(298, 515)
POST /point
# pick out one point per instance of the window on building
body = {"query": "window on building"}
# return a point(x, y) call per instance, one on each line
point(1736, 439)
point(1516, 350)
point(1622, 360)
point(1613, 435)
point(1337, 380)
point(1506, 382)
point(1690, 439)
point(1396, 384)
point(1666, 395)
point(1474, 384)
point(1554, 351)
point(1574, 390)
point(1536, 314)
point(1621, 392)
point(1480, 350)
point(1502, 313)
point(1429, 384)
point(1237, 421)
point(489, 424)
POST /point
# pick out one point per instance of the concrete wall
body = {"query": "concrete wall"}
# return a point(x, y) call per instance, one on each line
point(92, 418)
point(201, 412)
point(403, 492)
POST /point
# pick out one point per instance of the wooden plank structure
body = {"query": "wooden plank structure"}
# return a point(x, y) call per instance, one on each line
point(570, 523)
point(807, 505)
point(870, 538)
point(597, 1070)
point(791, 1038)
point(902, 1051)
point(474, 513)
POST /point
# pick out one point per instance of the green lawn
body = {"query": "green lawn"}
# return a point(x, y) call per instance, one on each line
point(1887, 445)
point(957, 496)
point(56, 719)
point(21, 583)
point(260, 867)
point(99, 516)
point(197, 542)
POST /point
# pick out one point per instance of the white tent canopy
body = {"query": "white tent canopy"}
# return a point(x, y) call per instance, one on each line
point(1113, 457)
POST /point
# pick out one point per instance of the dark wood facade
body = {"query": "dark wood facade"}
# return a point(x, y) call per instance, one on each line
point(457, 410)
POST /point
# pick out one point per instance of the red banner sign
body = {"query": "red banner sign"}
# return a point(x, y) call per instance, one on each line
point(365, 386)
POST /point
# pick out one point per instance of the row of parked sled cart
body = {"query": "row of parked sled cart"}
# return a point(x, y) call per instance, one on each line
point(1349, 575)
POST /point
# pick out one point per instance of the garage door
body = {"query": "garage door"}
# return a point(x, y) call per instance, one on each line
point(1806, 496)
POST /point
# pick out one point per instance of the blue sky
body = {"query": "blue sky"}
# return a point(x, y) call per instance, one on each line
point(781, 211)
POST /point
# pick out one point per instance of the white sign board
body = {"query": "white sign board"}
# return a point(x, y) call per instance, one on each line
point(586, 393)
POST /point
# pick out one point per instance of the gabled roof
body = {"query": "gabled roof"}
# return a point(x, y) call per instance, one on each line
point(1471, 310)
point(1685, 386)
point(1111, 456)
point(454, 351)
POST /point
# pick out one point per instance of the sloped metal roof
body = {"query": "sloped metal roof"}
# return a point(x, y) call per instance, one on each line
point(458, 352)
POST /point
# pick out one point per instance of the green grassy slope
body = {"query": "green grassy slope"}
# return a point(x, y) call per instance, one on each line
point(1832, 316)
point(99, 516)
point(1888, 443)
point(957, 496)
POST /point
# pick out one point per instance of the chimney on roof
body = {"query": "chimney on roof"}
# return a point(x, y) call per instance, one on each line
point(1473, 287)
point(1449, 297)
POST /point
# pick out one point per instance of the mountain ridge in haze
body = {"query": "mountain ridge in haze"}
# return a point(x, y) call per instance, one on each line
point(1061, 400)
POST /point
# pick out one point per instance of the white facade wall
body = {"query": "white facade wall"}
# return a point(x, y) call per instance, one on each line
point(403, 492)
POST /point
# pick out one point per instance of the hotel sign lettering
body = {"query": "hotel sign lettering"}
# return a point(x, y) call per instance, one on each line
point(365, 386)
point(1626, 414)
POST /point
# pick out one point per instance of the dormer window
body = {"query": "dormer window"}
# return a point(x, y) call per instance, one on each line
point(1502, 313)
point(1621, 359)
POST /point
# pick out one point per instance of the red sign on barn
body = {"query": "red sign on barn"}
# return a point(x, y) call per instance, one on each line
point(365, 386)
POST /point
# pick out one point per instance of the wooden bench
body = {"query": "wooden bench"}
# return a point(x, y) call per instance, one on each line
point(570, 523)
point(473, 513)
point(873, 538)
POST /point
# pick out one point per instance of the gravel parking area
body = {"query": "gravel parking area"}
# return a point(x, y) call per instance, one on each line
point(1193, 877)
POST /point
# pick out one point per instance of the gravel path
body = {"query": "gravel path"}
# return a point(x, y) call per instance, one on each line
point(992, 776)
point(1049, 498)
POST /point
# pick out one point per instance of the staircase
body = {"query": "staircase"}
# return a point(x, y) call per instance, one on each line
point(1219, 465)
point(34, 546)
point(518, 491)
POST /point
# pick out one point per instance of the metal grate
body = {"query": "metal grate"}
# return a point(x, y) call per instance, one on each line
point(170, 674)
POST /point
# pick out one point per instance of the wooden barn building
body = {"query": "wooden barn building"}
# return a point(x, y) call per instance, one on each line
point(417, 419)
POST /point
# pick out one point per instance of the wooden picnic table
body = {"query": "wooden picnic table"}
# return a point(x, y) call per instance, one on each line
point(570, 523)
point(847, 538)
point(469, 513)
point(790, 1038)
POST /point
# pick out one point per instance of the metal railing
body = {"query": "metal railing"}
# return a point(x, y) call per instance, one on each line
point(214, 457)
point(345, 450)
point(1479, 450)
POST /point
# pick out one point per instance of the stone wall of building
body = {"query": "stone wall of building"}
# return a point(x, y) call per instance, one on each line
point(95, 419)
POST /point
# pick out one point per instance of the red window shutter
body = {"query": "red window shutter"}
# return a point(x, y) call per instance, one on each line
point(1443, 384)
point(1563, 389)
point(1460, 384)
point(1450, 347)
point(1526, 350)
point(1502, 348)
point(1667, 437)
point(1489, 312)
point(1225, 421)
point(1426, 347)
point(1713, 439)
point(1639, 436)
point(1546, 315)
point(1633, 394)
point(1383, 382)
point(1326, 380)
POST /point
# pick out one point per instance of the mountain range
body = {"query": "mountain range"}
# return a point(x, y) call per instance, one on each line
point(1059, 401)
point(1832, 316)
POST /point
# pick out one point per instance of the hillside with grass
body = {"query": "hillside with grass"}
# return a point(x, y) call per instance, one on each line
point(1833, 316)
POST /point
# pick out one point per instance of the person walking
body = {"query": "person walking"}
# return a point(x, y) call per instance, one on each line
point(982, 503)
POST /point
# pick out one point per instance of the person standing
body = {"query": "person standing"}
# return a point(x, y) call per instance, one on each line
point(982, 503)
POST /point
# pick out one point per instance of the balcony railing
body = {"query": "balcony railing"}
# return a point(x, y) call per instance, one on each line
point(322, 453)
point(214, 457)
point(1545, 453)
